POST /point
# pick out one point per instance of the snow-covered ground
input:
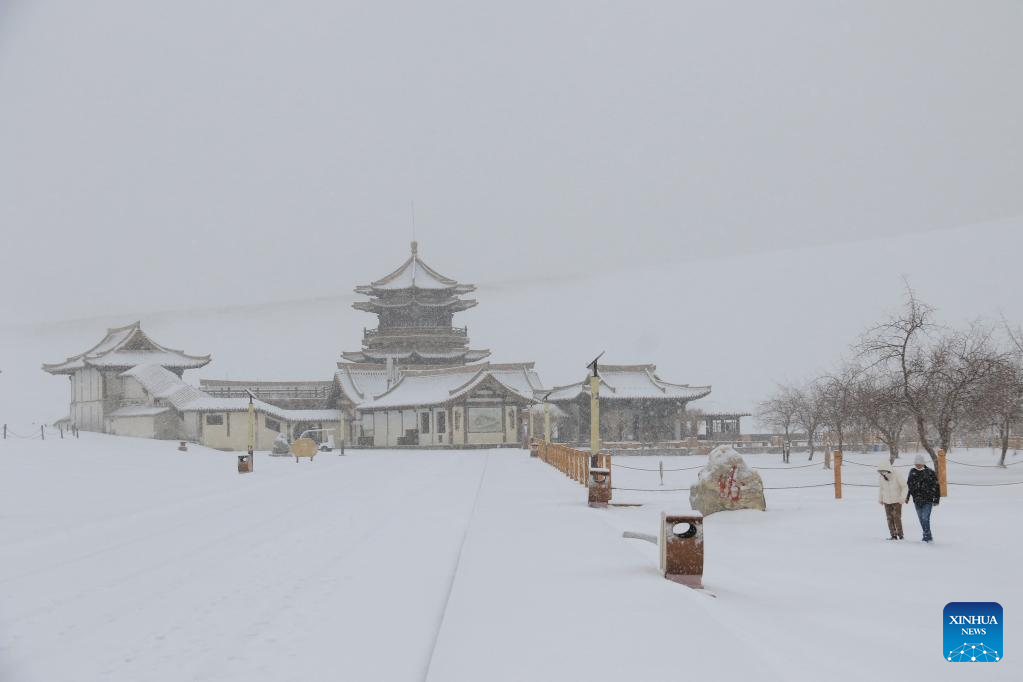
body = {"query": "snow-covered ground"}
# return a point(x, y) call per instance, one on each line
point(123, 559)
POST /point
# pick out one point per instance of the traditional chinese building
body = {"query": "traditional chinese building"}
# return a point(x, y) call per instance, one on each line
point(415, 306)
point(98, 389)
point(462, 406)
point(636, 405)
point(415, 383)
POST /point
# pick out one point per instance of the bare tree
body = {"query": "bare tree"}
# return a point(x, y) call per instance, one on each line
point(1000, 399)
point(957, 370)
point(878, 400)
point(779, 413)
point(838, 404)
point(898, 345)
point(808, 415)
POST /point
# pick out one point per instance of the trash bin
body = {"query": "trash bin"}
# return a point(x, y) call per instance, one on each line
point(599, 487)
point(681, 543)
point(245, 464)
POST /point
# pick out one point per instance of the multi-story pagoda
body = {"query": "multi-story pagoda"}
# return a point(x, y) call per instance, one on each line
point(415, 305)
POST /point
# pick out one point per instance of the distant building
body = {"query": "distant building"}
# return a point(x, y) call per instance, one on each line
point(470, 405)
point(129, 385)
point(415, 382)
point(98, 389)
point(723, 425)
point(636, 405)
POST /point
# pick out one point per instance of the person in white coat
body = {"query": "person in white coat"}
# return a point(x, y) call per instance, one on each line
point(892, 490)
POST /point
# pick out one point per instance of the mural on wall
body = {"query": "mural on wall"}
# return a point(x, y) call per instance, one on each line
point(484, 420)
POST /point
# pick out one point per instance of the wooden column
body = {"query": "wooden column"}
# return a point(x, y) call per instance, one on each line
point(838, 474)
point(943, 473)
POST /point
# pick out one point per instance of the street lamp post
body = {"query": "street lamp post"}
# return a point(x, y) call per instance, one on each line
point(595, 410)
point(252, 431)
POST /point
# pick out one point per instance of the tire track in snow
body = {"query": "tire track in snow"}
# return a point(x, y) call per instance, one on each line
point(454, 571)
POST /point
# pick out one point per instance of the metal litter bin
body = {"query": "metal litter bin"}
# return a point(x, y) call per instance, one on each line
point(599, 487)
point(681, 543)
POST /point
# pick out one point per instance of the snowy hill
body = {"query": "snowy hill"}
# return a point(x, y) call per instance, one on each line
point(739, 324)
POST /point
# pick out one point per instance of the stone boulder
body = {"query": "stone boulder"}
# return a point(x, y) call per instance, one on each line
point(727, 483)
point(280, 445)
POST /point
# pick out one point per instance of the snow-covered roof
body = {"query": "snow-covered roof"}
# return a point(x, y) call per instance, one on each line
point(211, 404)
point(422, 387)
point(635, 382)
point(360, 382)
point(127, 346)
point(466, 355)
point(139, 411)
point(415, 274)
point(165, 385)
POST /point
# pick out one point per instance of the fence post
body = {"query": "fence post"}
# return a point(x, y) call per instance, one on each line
point(660, 467)
point(61, 427)
point(838, 474)
point(942, 473)
point(5, 431)
point(42, 434)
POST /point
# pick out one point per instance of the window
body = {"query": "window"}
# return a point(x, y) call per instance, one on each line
point(442, 422)
point(272, 424)
point(214, 420)
point(458, 420)
point(424, 422)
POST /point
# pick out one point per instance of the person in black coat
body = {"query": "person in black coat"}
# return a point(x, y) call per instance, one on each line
point(925, 491)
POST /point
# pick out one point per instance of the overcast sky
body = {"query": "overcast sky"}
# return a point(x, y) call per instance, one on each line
point(190, 153)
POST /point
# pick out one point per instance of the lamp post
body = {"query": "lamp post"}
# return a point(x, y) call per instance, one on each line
point(252, 430)
point(595, 410)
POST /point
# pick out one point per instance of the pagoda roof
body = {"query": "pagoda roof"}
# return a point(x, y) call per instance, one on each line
point(461, 355)
point(124, 347)
point(630, 382)
point(422, 387)
point(379, 304)
point(415, 274)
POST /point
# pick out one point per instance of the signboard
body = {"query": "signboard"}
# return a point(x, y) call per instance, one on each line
point(304, 447)
point(485, 420)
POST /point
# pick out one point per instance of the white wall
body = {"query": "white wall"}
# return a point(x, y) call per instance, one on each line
point(87, 399)
point(139, 427)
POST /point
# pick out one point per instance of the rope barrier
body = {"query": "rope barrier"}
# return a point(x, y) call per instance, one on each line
point(859, 464)
point(652, 490)
point(622, 466)
point(783, 487)
point(791, 487)
point(985, 485)
point(985, 466)
point(700, 466)
point(800, 466)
